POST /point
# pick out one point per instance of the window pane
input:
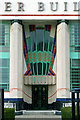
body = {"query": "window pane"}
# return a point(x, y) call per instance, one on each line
point(76, 62)
point(47, 68)
point(75, 36)
point(32, 68)
point(33, 44)
point(2, 34)
point(51, 44)
point(39, 39)
point(4, 62)
point(39, 68)
point(46, 40)
point(29, 44)
point(35, 68)
point(44, 68)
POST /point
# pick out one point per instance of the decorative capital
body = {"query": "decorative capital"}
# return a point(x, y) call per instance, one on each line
point(60, 21)
point(18, 21)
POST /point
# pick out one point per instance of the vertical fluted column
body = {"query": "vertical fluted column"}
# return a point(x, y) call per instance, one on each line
point(63, 69)
point(16, 59)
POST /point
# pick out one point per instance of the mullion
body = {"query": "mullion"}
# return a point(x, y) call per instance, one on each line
point(29, 52)
point(32, 57)
point(43, 52)
point(51, 55)
point(36, 54)
point(47, 54)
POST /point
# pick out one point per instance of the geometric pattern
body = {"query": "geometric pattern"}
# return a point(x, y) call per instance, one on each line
point(46, 56)
point(28, 72)
point(53, 56)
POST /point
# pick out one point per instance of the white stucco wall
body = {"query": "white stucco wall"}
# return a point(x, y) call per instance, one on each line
point(63, 76)
point(27, 95)
point(52, 94)
point(16, 61)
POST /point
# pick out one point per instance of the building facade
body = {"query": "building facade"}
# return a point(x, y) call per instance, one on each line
point(39, 53)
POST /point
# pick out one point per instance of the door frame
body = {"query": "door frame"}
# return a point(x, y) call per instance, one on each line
point(37, 108)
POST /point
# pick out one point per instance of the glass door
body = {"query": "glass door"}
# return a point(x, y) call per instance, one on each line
point(40, 97)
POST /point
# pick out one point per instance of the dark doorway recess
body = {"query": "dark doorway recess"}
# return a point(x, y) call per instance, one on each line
point(39, 97)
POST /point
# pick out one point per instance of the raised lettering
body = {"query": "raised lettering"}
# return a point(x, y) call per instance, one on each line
point(7, 6)
point(20, 6)
point(52, 6)
point(65, 6)
point(40, 6)
point(76, 6)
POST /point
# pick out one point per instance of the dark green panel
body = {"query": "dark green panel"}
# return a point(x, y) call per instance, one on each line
point(39, 97)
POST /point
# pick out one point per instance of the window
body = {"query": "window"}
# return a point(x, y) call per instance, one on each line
point(74, 54)
point(75, 36)
point(4, 55)
point(39, 45)
point(4, 33)
point(39, 39)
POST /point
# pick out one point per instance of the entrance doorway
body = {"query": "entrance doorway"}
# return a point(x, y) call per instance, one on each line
point(39, 97)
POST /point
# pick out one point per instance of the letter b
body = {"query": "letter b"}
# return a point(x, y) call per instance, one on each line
point(40, 6)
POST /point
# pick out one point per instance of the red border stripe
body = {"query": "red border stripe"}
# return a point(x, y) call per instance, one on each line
point(19, 89)
point(57, 91)
point(40, 15)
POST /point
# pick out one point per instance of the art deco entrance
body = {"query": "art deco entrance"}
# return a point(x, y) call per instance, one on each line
point(40, 97)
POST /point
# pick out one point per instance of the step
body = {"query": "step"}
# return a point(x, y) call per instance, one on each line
point(41, 112)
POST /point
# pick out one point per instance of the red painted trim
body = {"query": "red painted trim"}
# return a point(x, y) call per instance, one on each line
point(27, 71)
point(21, 91)
point(48, 97)
point(52, 71)
point(26, 53)
point(53, 55)
point(18, 90)
point(40, 15)
point(57, 91)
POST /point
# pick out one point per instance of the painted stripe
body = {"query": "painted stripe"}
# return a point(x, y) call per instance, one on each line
point(24, 38)
point(19, 89)
point(40, 15)
point(52, 58)
point(49, 73)
point(63, 99)
point(52, 72)
point(48, 97)
point(54, 41)
point(53, 52)
point(57, 91)
point(13, 99)
point(28, 72)
point(25, 54)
